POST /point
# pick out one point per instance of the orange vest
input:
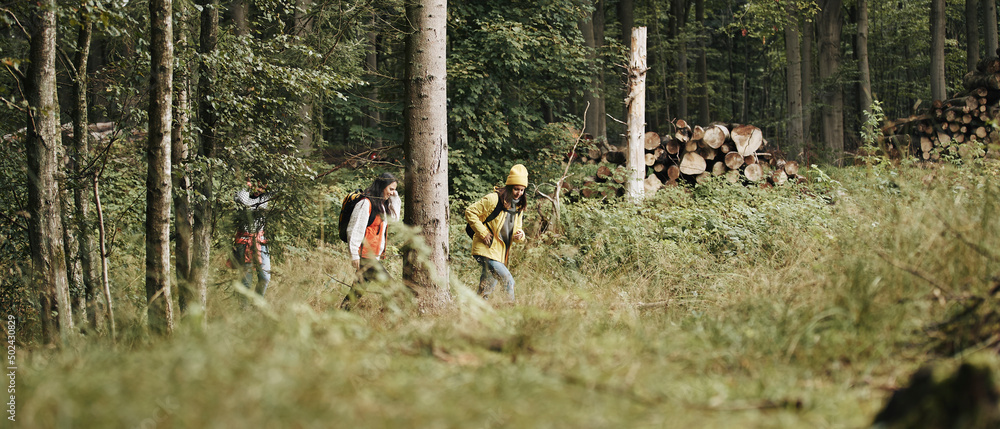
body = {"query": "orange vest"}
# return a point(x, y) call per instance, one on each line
point(371, 245)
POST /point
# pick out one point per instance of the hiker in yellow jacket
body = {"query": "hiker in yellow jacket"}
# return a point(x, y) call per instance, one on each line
point(496, 221)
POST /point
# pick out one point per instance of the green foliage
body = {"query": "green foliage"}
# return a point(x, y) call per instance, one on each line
point(506, 60)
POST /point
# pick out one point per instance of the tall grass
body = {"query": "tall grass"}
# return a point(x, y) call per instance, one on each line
point(718, 307)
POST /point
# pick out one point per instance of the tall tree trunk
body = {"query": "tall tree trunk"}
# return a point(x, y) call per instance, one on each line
point(990, 28)
point(938, 86)
point(590, 93)
point(809, 30)
point(626, 16)
point(861, 50)
point(81, 154)
point(183, 228)
point(42, 152)
point(303, 26)
point(680, 21)
point(602, 123)
point(793, 76)
point(972, 34)
point(372, 118)
point(701, 67)
point(71, 246)
point(636, 102)
point(158, 182)
point(238, 9)
point(426, 148)
point(830, 28)
point(201, 250)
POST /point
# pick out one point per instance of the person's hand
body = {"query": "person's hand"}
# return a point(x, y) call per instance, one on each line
point(488, 239)
point(356, 263)
point(519, 235)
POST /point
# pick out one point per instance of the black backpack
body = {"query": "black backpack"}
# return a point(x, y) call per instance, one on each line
point(493, 215)
point(347, 208)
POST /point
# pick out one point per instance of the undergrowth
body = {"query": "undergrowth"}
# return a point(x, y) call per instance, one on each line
point(718, 306)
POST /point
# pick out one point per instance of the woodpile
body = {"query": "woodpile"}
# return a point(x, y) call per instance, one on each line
point(690, 154)
point(955, 126)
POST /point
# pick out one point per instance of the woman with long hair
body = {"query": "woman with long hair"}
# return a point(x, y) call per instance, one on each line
point(366, 233)
point(497, 222)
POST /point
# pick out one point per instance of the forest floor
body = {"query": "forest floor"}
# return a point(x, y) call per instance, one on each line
point(725, 306)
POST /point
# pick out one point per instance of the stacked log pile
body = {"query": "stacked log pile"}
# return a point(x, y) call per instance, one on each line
point(951, 126)
point(691, 154)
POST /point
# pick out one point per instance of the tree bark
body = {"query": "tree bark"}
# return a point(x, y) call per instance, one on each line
point(238, 9)
point(183, 228)
point(793, 76)
point(972, 34)
point(865, 99)
point(808, 32)
point(201, 251)
point(938, 88)
point(426, 149)
point(81, 156)
point(830, 28)
point(158, 182)
point(42, 153)
point(372, 115)
point(990, 26)
point(636, 102)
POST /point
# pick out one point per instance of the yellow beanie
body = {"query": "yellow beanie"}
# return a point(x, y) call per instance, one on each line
point(518, 176)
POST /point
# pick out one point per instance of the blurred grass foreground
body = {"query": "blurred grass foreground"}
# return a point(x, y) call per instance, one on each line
point(719, 306)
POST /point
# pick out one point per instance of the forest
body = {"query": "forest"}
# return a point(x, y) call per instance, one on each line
point(739, 213)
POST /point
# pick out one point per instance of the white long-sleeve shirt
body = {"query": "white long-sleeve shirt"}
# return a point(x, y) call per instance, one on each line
point(359, 221)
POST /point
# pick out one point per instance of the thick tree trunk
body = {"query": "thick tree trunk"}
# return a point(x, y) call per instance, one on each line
point(636, 102)
point(990, 26)
point(972, 34)
point(42, 152)
point(81, 155)
point(830, 28)
point(158, 180)
point(426, 149)
point(201, 250)
point(701, 67)
point(793, 76)
point(938, 88)
point(183, 228)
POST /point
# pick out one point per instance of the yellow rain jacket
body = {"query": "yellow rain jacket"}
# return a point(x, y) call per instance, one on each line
point(476, 213)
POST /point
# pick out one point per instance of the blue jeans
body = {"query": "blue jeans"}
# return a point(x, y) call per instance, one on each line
point(263, 271)
point(493, 271)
